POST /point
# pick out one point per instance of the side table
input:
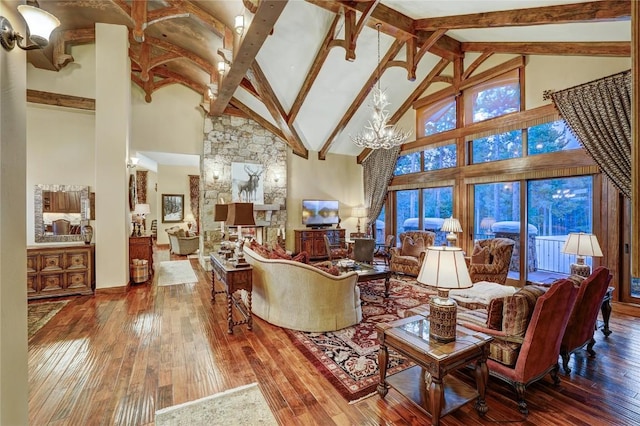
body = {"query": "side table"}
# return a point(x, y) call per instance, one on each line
point(233, 279)
point(429, 384)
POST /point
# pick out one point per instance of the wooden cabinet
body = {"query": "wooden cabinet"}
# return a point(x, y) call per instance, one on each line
point(312, 240)
point(61, 201)
point(60, 270)
point(142, 248)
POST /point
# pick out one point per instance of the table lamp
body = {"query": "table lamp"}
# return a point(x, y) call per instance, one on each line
point(220, 215)
point(189, 219)
point(141, 211)
point(581, 245)
point(444, 268)
point(240, 214)
point(451, 225)
point(359, 212)
point(486, 223)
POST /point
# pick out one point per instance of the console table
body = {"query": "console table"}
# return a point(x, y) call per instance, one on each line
point(429, 384)
point(233, 279)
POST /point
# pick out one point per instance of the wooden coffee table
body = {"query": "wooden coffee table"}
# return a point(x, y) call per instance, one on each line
point(429, 384)
point(368, 272)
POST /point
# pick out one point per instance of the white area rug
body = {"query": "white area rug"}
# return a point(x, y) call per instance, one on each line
point(244, 405)
point(175, 272)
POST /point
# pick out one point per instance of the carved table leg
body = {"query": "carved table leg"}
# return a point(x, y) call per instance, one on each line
point(436, 395)
point(606, 314)
point(383, 356)
point(229, 313)
point(387, 284)
point(482, 376)
point(250, 318)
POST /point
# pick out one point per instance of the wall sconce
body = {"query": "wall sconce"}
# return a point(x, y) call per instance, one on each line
point(276, 177)
point(40, 24)
point(238, 24)
point(216, 175)
point(132, 163)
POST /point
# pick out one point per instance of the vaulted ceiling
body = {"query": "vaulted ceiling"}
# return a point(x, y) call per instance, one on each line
point(304, 69)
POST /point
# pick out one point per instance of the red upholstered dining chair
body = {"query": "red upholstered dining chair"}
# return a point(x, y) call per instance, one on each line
point(522, 351)
point(582, 322)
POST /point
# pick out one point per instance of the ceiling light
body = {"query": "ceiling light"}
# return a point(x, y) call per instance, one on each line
point(378, 133)
point(133, 162)
point(40, 24)
point(238, 24)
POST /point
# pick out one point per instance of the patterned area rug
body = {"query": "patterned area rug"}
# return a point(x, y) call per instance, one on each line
point(348, 358)
point(244, 405)
point(175, 272)
point(38, 314)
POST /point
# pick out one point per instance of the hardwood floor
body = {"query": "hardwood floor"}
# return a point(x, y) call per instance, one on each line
point(117, 358)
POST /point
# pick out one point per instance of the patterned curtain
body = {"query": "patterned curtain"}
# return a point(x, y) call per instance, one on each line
point(378, 171)
point(599, 114)
point(141, 186)
point(194, 196)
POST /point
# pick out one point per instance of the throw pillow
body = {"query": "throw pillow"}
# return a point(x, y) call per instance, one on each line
point(480, 255)
point(180, 233)
point(576, 279)
point(515, 315)
point(494, 313)
point(411, 247)
point(328, 268)
point(302, 257)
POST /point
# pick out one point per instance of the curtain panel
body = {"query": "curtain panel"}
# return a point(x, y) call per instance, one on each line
point(599, 115)
point(377, 173)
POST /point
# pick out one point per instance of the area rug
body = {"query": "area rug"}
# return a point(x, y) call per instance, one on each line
point(244, 405)
point(348, 358)
point(175, 272)
point(38, 314)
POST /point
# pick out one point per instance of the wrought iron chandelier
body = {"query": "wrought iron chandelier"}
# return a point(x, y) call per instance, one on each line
point(378, 133)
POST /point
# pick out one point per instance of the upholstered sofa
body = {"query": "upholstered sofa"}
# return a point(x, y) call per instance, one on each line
point(299, 296)
point(180, 243)
point(407, 258)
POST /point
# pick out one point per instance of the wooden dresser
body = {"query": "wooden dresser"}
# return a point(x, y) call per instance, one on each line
point(312, 240)
point(60, 270)
point(142, 248)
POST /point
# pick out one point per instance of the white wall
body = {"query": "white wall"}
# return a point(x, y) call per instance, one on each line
point(60, 150)
point(339, 177)
point(173, 180)
point(14, 390)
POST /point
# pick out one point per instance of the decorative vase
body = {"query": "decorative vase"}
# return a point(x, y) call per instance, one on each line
point(87, 233)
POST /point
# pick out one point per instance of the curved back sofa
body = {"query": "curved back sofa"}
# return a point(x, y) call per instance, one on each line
point(301, 297)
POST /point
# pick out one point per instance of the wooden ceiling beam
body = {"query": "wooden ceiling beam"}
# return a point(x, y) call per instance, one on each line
point(261, 26)
point(316, 66)
point(359, 99)
point(557, 14)
point(59, 99)
point(613, 49)
point(270, 100)
point(257, 118)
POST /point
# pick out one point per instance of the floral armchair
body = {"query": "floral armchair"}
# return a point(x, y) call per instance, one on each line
point(490, 260)
point(408, 257)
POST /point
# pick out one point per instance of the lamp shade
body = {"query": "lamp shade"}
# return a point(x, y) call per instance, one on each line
point(451, 225)
point(40, 23)
point(359, 211)
point(142, 209)
point(582, 244)
point(220, 213)
point(444, 267)
point(240, 214)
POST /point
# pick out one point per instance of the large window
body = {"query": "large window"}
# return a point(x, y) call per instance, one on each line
point(497, 147)
point(497, 214)
point(437, 117)
point(437, 206)
point(409, 163)
point(557, 207)
point(496, 97)
point(442, 157)
point(551, 137)
point(407, 211)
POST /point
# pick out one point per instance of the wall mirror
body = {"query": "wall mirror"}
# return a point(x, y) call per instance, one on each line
point(59, 212)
